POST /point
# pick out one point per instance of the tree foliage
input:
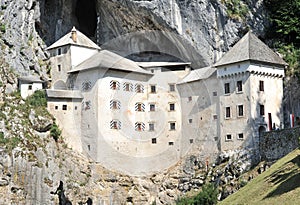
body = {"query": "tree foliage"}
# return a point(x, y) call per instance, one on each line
point(37, 99)
point(285, 31)
point(208, 196)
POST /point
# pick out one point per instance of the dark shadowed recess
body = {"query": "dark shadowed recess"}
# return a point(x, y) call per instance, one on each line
point(85, 12)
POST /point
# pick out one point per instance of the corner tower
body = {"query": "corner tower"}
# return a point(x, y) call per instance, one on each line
point(251, 85)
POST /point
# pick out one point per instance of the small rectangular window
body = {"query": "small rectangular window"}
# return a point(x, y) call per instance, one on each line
point(240, 110)
point(172, 87)
point(191, 141)
point(29, 87)
point(227, 112)
point(215, 117)
point(172, 125)
point(151, 126)
point(153, 89)
point(59, 51)
point(215, 93)
point(261, 110)
point(171, 143)
point(172, 106)
point(239, 85)
point(190, 121)
point(56, 107)
point(64, 107)
point(59, 68)
point(139, 88)
point(228, 138)
point(261, 85)
point(190, 98)
point(152, 107)
point(140, 107)
point(240, 136)
point(227, 88)
point(154, 141)
point(75, 107)
point(127, 87)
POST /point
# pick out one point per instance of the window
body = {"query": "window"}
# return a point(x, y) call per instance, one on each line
point(227, 112)
point(172, 87)
point(261, 85)
point(239, 85)
point(153, 89)
point(115, 124)
point(215, 117)
point(139, 88)
point(215, 93)
point(59, 68)
point(240, 110)
point(191, 141)
point(151, 126)
point(152, 70)
point(59, 51)
point(190, 121)
point(190, 98)
point(240, 136)
point(139, 107)
point(262, 110)
point(152, 107)
point(114, 85)
point(29, 87)
point(115, 105)
point(56, 107)
point(172, 107)
point(172, 125)
point(64, 107)
point(86, 85)
point(228, 137)
point(227, 88)
point(75, 107)
point(139, 126)
point(171, 143)
point(153, 140)
point(127, 87)
point(89, 147)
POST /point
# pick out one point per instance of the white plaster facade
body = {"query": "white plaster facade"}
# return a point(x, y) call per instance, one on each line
point(141, 118)
point(28, 85)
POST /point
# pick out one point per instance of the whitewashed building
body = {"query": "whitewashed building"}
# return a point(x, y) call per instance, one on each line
point(143, 117)
point(29, 84)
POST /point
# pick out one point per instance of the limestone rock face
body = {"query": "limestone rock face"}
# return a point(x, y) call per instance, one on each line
point(40, 123)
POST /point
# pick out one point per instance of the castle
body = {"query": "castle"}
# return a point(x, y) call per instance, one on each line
point(143, 117)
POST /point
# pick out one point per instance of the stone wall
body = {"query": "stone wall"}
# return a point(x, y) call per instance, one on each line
point(276, 144)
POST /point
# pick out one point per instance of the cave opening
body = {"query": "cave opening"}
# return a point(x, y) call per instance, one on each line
point(86, 15)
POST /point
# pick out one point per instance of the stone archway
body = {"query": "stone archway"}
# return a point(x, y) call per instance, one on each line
point(261, 131)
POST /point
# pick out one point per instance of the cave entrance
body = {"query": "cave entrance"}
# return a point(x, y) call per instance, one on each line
point(86, 15)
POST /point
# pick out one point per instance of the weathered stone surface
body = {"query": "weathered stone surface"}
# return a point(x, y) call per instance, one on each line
point(40, 123)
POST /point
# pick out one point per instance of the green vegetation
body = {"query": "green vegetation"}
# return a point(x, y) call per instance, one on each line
point(37, 99)
point(2, 28)
point(278, 185)
point(208, 196)
point(284, 31)
point(236, 9)
point(55, 132)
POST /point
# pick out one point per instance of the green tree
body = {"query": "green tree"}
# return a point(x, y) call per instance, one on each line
point(208, 196)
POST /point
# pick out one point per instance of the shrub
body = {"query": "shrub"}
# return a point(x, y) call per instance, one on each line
point(55, 132)
point(37, 99)
point(208, 196)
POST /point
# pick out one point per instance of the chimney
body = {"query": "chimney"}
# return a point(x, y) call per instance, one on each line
point(74, 34)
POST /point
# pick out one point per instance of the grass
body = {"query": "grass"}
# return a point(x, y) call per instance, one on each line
point(280, 184)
